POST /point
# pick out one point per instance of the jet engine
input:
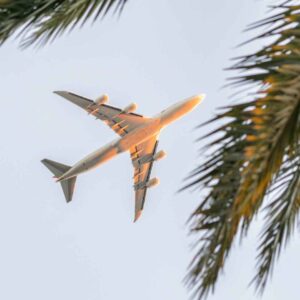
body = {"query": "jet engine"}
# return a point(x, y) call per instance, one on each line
point(159, 155)
point(130, 108)
point(152, 182)
point(149, 158)
point(102, 99)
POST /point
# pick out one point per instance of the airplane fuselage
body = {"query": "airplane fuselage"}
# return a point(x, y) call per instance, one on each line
point(142, 133)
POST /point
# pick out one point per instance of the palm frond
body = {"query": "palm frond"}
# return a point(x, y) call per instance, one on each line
point(281, 219)
point(257, 149)
point(38, 21)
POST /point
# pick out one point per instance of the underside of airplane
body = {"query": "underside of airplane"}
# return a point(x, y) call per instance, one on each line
point(137, 135)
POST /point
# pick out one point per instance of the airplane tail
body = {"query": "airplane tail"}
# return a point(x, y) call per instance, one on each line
point(58, 169)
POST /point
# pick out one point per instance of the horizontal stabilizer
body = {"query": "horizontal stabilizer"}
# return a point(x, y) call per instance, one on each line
point(59, 169)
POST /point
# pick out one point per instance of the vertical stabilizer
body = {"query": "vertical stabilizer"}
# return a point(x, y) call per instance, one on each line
point(59, 169)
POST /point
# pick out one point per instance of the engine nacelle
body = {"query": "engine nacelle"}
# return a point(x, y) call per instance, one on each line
point(152, 182)
point(159, 155)
point(102, 99)
point(130, 108)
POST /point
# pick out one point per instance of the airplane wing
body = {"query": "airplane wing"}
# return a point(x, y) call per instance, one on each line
point(114, 117)
point(142, 159)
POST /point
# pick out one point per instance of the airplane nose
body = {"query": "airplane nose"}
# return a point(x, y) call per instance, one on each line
point(197, 99)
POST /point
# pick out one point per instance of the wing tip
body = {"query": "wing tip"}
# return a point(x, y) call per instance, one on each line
point(60, 93)
point(137, 215)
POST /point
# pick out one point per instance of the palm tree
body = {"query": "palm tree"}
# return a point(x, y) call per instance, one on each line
point(38, 21)
point(254, 153)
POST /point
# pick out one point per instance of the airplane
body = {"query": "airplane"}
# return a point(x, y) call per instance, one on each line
point(138, 135)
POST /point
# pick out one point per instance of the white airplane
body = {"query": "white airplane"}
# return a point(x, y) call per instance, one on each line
point(138, 135)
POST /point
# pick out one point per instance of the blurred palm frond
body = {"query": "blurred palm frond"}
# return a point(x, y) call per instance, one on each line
point(255, 153)
point(38, 21)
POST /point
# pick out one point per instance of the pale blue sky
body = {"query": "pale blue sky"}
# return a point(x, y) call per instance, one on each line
point(157, 53)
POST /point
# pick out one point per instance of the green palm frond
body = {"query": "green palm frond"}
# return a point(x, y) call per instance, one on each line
point(258, 154)
point(38, 21)
point(281, 219)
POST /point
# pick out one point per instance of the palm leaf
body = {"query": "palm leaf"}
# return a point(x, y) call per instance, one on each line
point(38, 21)
point(257, 150)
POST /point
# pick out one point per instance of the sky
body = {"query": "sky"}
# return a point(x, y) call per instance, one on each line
point(158, 52)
